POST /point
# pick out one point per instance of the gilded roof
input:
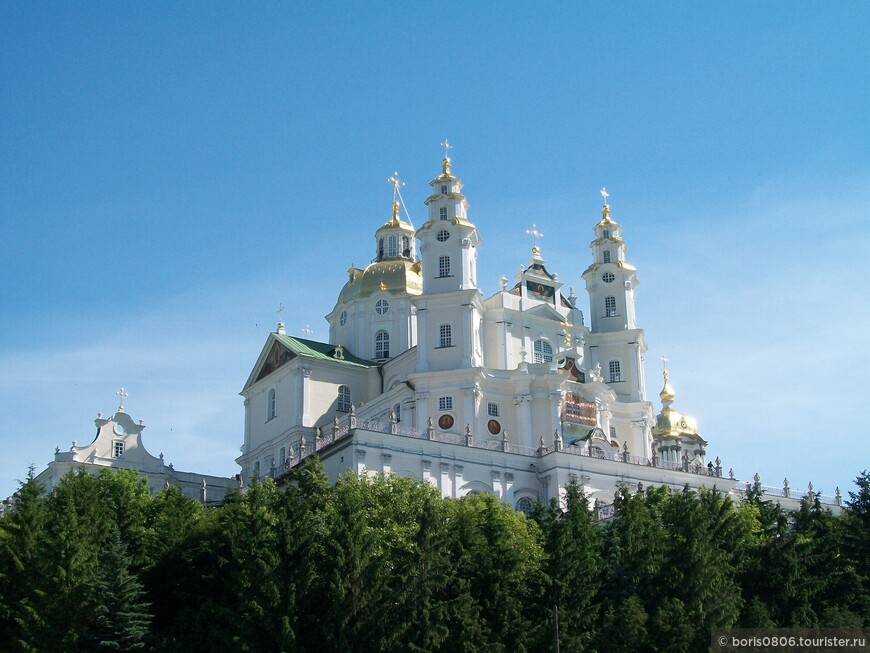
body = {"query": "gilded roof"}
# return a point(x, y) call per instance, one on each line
point(395, 276)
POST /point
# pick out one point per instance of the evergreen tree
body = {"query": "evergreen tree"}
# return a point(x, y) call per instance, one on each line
point(120, 616)
point(573, 547)
point(856, 543)
point(22, 549)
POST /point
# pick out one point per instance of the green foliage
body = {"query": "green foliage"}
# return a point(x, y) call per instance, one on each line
point(385, 564)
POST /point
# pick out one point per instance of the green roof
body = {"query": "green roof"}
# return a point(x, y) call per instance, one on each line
point(320, 350)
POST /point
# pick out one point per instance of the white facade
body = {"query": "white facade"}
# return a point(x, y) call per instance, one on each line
point(118, 445)
point(512, 394)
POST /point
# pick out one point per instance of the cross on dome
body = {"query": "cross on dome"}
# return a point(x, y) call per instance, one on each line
point(307, 330)
point(604, 194)
point(447, 147)
point(121, 394)
point(397, 197)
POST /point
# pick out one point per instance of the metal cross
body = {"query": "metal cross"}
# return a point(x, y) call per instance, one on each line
point(535, 234)
point(280, 312)
point(604, 194)
point(447, 147)
point(664, 363)
point(121, 394)
point(397, 183)
point(307, 330)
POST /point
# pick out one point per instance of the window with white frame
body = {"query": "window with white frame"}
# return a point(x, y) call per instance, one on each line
point(397, 411)
point(283, 459)
point(610, 306)
point(393, 246)
point(445, 331)
point(615, 370)
point(442, 213)
point(445, 403)
point(492, 409)
point(442, 235)
point(543, 352)
point(612, 432)
point(443, 266)
point(344, 402)
point(382, 344)
point(443, 189)
point(606, 233)
point(118, 449)
point(606, 256)
point(382, 306)
point(271, 405)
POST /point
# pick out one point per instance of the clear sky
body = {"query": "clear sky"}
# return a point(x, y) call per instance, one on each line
point(170, 172)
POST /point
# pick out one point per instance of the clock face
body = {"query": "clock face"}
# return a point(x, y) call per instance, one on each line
point(119, 429)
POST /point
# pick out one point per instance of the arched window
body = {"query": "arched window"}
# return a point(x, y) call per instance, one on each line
point(406, 247)
point(271, 406)
point(610, 306)
point(526, 506)
point(543, 352)
point(606, 255)
point(443, 266)
point(615, 371)
point(344, 402)
point(446, 335)
point(382, 344)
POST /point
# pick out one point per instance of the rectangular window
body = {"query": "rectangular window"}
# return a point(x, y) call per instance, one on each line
point(442, 212)
point(283, 460)
point(445, 403)
point(344, 400)
point(492, 409)
point(443, 266)
point(443, 189)
point(615, 372)
point(397, 411)
point(606, 258)
point(257, 469)
point(118, 449)
point(610, 306)
point(612, 432)
point(446, 334)
point(393, 246)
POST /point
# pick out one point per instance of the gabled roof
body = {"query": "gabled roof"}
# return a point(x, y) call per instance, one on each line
point(280, 349)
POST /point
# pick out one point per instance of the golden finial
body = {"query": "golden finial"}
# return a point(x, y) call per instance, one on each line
point(605, 210)
point(667, 393)
point(445, 164)
point(395, 212)
point(535, 234)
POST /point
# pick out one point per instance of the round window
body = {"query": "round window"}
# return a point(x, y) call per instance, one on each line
point(608, 277)
point(342, 319)
point(382, 306)
point(443, 235)
point(445, 422)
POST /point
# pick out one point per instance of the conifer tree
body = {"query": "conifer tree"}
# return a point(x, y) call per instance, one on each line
point(120, 616)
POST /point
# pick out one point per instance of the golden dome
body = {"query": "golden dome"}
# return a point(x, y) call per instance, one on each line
point(395, 276)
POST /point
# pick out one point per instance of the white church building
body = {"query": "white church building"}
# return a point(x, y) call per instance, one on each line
point(514, 394)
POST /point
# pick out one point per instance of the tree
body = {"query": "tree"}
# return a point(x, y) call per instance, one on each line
point(120, 615)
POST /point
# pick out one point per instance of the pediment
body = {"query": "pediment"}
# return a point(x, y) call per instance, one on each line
point(277, 356)
point(547, 311)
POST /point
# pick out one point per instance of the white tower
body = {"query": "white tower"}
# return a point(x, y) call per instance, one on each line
point(610, 282)
point(449, 310)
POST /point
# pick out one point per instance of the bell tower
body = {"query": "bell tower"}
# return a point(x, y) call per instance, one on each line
point(610, 282)
point(450, 308)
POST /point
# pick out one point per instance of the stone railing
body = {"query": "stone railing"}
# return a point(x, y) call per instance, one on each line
point(323, 438)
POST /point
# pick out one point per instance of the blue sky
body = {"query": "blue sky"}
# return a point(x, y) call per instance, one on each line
point(170, 172)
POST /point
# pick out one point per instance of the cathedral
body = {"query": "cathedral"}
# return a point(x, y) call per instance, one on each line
point(516, 394)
